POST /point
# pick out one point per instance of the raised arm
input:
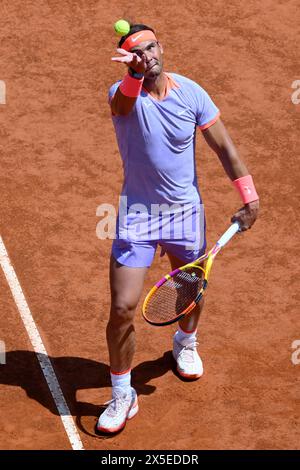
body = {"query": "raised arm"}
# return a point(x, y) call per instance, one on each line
point(219, 140)
point(122, 104)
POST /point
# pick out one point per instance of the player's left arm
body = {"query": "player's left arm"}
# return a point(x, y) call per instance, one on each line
point(219, 140)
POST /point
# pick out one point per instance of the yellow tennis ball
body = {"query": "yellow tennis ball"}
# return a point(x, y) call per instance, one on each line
point(122, 27)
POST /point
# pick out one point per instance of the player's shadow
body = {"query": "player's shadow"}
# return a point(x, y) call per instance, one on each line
point(22, 369)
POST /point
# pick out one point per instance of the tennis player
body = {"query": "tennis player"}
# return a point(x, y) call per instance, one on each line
point(155, 115)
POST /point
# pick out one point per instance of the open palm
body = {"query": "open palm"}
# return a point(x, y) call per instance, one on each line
point(132, 60)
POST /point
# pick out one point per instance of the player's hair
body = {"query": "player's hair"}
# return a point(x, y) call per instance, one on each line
point(134, 28)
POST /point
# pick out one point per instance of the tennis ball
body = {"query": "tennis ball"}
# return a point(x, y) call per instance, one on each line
point(122, 27)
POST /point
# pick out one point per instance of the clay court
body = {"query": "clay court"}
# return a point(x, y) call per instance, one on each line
point(60, 161)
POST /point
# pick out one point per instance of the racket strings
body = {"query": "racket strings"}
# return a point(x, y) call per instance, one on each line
point(174, 296)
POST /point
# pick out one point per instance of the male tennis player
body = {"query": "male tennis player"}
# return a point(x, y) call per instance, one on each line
point(155, 115)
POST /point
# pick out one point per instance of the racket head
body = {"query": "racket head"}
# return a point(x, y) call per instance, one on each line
point(175, 295)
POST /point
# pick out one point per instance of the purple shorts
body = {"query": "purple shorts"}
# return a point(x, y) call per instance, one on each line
point(180, 233)
point(140, 255)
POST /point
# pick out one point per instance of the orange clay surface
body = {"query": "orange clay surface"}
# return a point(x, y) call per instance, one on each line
point(60, 161)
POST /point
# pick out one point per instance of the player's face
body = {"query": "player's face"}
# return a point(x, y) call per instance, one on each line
point(154, 57)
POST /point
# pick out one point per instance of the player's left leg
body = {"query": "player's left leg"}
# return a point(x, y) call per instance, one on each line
point(189, 364)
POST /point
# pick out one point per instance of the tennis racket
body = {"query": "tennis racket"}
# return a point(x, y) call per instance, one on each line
point(177, 293)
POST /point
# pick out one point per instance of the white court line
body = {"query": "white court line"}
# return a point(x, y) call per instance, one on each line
point(40, 350)
point(2, 92)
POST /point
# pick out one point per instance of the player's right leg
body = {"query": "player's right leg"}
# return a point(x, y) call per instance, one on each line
point(126, 282)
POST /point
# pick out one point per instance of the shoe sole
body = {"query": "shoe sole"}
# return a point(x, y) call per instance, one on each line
point(189, 376)
point(132, 412)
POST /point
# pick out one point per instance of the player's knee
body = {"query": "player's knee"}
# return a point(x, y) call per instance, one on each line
point(122, 311)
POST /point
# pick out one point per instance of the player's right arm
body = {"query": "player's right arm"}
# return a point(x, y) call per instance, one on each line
point(121, 105)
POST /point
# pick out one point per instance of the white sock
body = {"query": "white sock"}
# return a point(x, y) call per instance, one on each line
point(121, 380)
point(182, 335)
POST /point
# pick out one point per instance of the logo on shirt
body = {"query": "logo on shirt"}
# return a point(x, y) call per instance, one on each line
point(180, 113)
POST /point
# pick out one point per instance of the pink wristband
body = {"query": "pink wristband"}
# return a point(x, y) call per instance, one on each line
point(246, 188)
point(131, 86)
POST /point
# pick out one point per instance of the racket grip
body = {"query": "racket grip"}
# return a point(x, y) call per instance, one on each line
point(233, 229)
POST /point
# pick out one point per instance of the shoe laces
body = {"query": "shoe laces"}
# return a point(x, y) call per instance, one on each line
point(188, 351)
point(117, 403)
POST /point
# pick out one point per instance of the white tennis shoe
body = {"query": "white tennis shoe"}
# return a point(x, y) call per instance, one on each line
point(189, 364)
point(122, 407)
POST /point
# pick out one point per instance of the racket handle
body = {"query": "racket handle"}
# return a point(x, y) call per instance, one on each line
point(233, 229)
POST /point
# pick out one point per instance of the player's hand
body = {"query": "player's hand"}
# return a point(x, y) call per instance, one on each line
point(132, 60)
point(247, 215)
